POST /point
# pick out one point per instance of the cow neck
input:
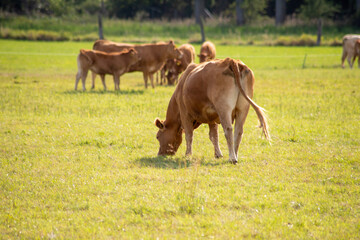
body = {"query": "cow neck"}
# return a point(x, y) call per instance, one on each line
point(173, 115)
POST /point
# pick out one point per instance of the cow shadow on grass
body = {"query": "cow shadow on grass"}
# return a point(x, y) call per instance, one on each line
point(102, 92)
point(169, 162)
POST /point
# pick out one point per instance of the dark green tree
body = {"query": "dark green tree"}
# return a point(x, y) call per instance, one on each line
point(318, 10)
point(240, 20)
point(248, 11)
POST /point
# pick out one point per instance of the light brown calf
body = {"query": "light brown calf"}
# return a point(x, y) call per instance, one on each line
point(177, 66)
point(207, 52)
point(214, 92)
point(153, 56)
point(349, 48)
point(105, 63)
point(357, 52)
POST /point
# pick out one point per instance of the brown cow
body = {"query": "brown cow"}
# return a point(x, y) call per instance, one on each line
point(357, 52)
point(214, 92)
point(177, 66)
point(207, 52)
point(153, 56)
point(349, 48)
point(102, 63)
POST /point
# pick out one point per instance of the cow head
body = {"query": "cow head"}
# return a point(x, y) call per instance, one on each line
point(134, 55)
point(173, 52)
point(203, 57)
point(169, 138)
point(174, 69)
point(171, 77)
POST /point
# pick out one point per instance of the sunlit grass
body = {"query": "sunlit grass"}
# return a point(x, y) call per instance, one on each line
point(83, 164)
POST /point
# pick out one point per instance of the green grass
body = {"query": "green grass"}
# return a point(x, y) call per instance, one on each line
point(83, 164)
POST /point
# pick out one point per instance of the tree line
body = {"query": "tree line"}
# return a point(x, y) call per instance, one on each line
point(240, 11)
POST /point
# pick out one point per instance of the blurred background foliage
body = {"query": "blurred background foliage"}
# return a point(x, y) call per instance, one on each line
point(259, 22)
point(347, 10)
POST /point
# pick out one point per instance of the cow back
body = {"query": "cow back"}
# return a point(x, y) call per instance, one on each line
point(153, 56)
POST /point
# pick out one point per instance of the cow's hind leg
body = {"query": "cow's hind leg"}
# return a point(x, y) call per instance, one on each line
point(344, 54)
point(349, 60)
point(77, 78)
point(239, 127)
point(214, 138)
point(225, 120)
point(84, 74)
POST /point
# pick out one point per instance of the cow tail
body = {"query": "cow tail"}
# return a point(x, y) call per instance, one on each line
point(260, 112)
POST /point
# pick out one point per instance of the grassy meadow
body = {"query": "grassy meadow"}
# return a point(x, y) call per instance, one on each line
point(84, 165)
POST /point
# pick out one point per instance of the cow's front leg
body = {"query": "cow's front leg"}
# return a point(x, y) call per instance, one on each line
point(93, 76)
point(214, 138)
point(117, 81)
point(189, 129)
point(152, 80)
point(145, 75)
point(162, 76)
point(102, 76)
point(189, 139)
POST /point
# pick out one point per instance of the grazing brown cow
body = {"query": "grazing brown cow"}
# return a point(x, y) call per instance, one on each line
point(102, 63)
point(153, 56)
point(207, 52)
point(349, 48)
point(177, 66)
point(214, 92)
point(357, 52)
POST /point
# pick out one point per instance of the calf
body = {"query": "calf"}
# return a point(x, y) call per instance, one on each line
point(349, 48)
point(207, 52)
point(103, 63)
point(153, 56)
point(216, 92)
point(177, 66)
point(357, 52)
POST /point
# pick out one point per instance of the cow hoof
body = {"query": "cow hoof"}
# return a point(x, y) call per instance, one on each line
point(218, 155)
point(233, 161)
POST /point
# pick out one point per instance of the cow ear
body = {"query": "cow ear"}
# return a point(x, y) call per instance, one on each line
point(171, 42)
point(159, 124)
